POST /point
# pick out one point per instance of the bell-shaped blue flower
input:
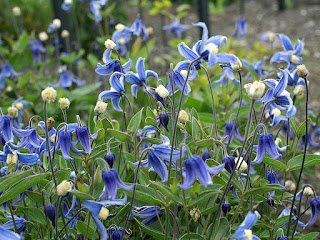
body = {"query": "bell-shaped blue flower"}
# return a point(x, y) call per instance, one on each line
point(20, 104)
point(139, 79)
point(111, 182)
point(225, 75)
point(240, 28)
point(293, 78)
point(272, 179)
point(66, 79)
point(117, 90)
point(121, 38)
point(7, 71)
point(315, 211)
point(84, 136)
point(31, 141)
point(244, 230)
point(8, 235)
point(205, 156)
point(36, 49)
point(14, 157)
point(139, 28)
point(291, 54)
point(20, 224)
point(196, 167)
point(257, 67)
point(66, 6)
point(176, 28)
point(150, 213)
point(310, 141)
point(95, 6)
point(235, 134)
point(275, 115)
point(50, 212)
point(229, 163)
point(286, 212)
point(111, 65)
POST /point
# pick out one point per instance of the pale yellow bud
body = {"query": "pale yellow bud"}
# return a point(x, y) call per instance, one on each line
point(212, 48)
point(272, 36)
point(183, 116)
point(195, 214)
point(12, 112)
point(122, 41)
point(68, 1)
point(12, 158)
point(276, 112)
point(150, 30)
point(292, 185)
point(255, 90)
point(308, 191)
point(103, 214)
point(110, 45)
point(243, 166)
point(162, 91)
point(294, 59)
point(64, 187)
point(237, 66)
point(64, 103)
point(120, 27)
point(278, 141)
point(57, 23)
point(16, 11)
point(316, 153)
point(65, 34)
point(49, 94)
point(19, 105)
point(302, 71)
point(43, 36)
point(299, 91)
point(100, 108)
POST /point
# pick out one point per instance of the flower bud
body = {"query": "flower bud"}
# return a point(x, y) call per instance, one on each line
point(12, 112)
point(308, 191)
point(299, 91)
point(50, 122)
point(120, 27)
point(271, 36)
point(183, 116)
point(243, 166)
point(291, 186)
point(255, 90)
point(150, 30)
point(110, 158)
point(206, 155)
point(64, 103)
point(270, 201)
point(12, 158)
point(49, 94)
point(64, 187)
point(103, 214)
point(226, 207)
point(195, 214)
point(236, 66)
point(16, 11)
point(162, 91)
point(56, 23)
point(68, 1)
point(110, 45)
point(100, 108)
point(164, 120)
point(43, 36)
point(65, 34)
point(50, 212)
point(302, 71)
point(278, 141)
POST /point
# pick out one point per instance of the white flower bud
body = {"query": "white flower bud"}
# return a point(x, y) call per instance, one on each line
point(12, 112)
point(195, 214)
point(43, 36)
point(120, 27)
point(183, 116)
point(162, 91)
point(243, 166)
point(110, 45)
point(57, 23)
point(316, 153)
point(150, 30)
point(291, 185)
point(100, 108)
point(19, 105)
point(121, 41)
point(49, 94)
point(64, 187)
point(299, 91)
point(237, 66)
point(278, 141)
point(16, 11)
point(12, 158)
point(302, 71)
point(308, 191)
point(103, 214)
point(68, 1)
point(272, 36)
point(294, 59)
point(65, 34)
point(64, 103)
point(212, 48)
point(255, 90)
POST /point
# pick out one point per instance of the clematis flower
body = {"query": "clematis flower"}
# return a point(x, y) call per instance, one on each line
point(240, 28)
point(31, 141)
point(111, 65)
point(84, 136)
point(50, 212)
point(283, 238)
point(291, 54)
point(176, 28)
point(139, 79)
point(286, 212)
point(197, 167)
point(64, 143)
point(226, 74)
point(7, 71)
point(8, 235)
point(244, 230)
point(20, 104)
point(229, 126)
point(207, 49)
point(117, 90)
point(66, 79)
point(275, 115)
point(95, 6)
point(14, 157)
point(66, 5)
point(315, 211)
point(20, 223)
point(139, 28)
point(272, 179)
point(121, 37)
point(229, 163)
point(293, 78)
point(266, 144)
point(150, 213)
point(257, 67)
point(205, 156)
point(36, 49)
point(310, 141)
point(111, 182)
point(116, 232)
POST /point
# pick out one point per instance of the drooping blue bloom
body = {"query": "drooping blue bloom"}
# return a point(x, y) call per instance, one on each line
point(207, 48)
point(266, 144)
point(84, 136)
point(286, 212)
point(66, 6)
point(310, 141)
point(65, 143)
point(31, 141)
point(229, 126)
point(275, 115)
point(20, 104)
point(121, 38)
point(50, 212)
point(37, 48)
point(164, 120)
point(139, 28)
point(7, 71)
point(240, 28)
point(283, 238)
point(315, 211)
point(117, 90)
point(225, 75)
point(291, 54)
point(150, 213)
point(293, 78)
point(226, 207)
point(176, 28)
point(66, 79)
point(111, 65)
point(116, 232)
point(95, 6)
point(205, 156)
point(272, 179)
point(8, 235)
point(258, 68)
point(229, 163)
point(244, 230)
point(139, 79)
point(197, 167)
point(110, 158)
point(20, 224)
point(15, 157)
point(111, 182)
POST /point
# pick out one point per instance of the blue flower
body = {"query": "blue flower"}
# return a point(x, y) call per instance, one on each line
point(150, 213)
point(121, 38)
point(66, 6)
point(65, 143)
point(258, 68)
point(267, 144)
point(275, 115)
point(66, 79)
point(207, 49)
point(111, 182)
point(272, 179)
point(240, 28)
point(197, 167)
point(7, 131)
point(116, 232)
point(315, 211)
point(229, 126)
point(50, 212)
point(229, 163)
point(286, 212)
point(111, 65)
point(139, 79)
point(225, 75)
point(31, 141)
point(84, 136)
point(7, 71)
point(244, 230)
point(14, 157)
point(310, 141)
point(20, 104)
point(37, 48)
point(95, 6)
point(20, 224)
point(293, 78)
point(283, 238)
point(117, 90)
point(176, 28)
point(205, 156)
point(291, 56)
point(139, 28)
point(8, 235)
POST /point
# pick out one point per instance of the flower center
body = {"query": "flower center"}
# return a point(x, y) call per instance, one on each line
point(276, 112)
point(122, 41)
point(294, 59)
point(53, 138)
point(120, 27)
point(97, 6)
point(19, 106)
point(12, 158)
point(248, 233)
point(212, 48)
point(103, 214)
point(184, 73)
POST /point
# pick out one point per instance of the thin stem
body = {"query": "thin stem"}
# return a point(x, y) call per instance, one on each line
point(131, 110)
point(12, 215)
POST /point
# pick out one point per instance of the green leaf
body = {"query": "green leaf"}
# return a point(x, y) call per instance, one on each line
point(152, 140)
point(134, 123)
point(22, 43)
point(301, 131)
point(192, 236)
point(81, 195)
point(205, 142)
point(309, 236)
point(294, 125)
point(147, 194)
point(295, 163)
point(274, 163)
point(150, 231)
point(83, 91)
point(122, 136)
point(82, 227)
point(11, 179)
point(22, 186)
point(151, 121)
point(265, 189)
point(136, 46)
point(36, 215)
point(167, 192)
point(196, 129)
